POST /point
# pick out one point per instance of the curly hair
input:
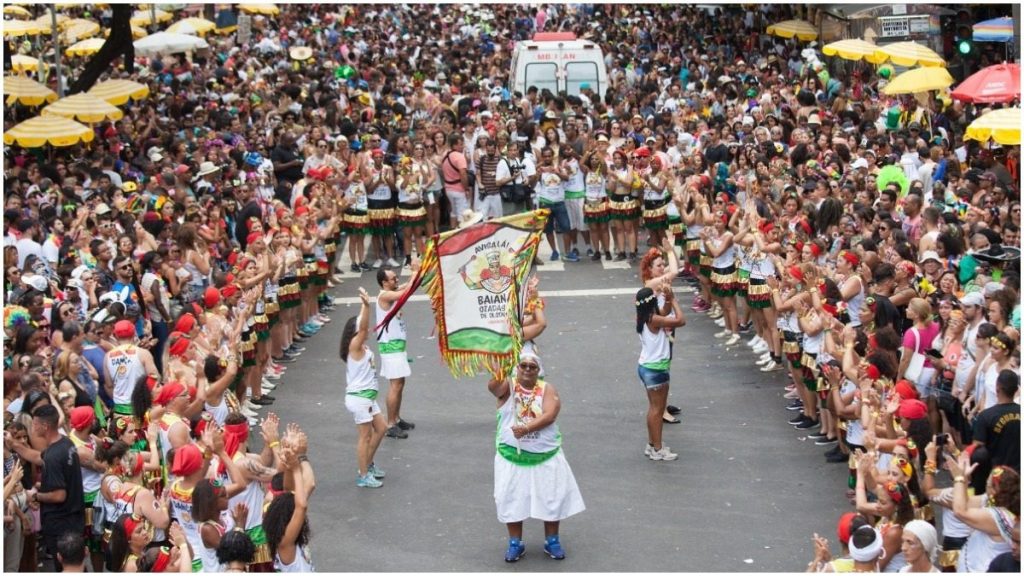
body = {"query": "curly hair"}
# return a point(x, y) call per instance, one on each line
point(647, 262)
point(236, 546)
point(1006, 488)
point(276, 518)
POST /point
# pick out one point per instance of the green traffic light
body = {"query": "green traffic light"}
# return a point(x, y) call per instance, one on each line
point(964, 47)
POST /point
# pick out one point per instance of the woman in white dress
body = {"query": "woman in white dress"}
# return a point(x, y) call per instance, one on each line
point(532, 478)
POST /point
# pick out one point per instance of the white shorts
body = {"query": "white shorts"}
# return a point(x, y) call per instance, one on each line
point(363, 409)
point(574, 206)
point(394, 365)
point(546, 491)
point(458, 201)
point(489, 206)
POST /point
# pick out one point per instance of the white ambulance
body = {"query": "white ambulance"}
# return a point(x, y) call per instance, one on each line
point(559, 62)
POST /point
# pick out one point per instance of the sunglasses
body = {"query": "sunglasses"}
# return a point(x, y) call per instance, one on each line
point(528, 366)
point(125, 267)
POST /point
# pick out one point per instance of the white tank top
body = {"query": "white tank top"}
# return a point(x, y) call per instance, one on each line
point(595, 187)
point(209, 555)
point(357, 193)
point(654, 349)
point(762, 268)
point(303, 562)
point(125, 370)
point(980, 549)
point(854, 305)
point(90, 478)
point(575, 181)
point(180, 503)
point(726, 258)
point(393, 336)
point(163, 434)
point(382, 192)
point(360, 375)
point(252, 496)
point(522, 407)
point(219, 412)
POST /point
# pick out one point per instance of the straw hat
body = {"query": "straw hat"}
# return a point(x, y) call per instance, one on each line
point(470, 217)
point(300, 52)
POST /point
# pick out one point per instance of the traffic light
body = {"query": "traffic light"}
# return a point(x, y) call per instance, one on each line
point(963, 46)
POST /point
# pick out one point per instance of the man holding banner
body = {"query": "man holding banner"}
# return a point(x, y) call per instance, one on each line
point(391, 338)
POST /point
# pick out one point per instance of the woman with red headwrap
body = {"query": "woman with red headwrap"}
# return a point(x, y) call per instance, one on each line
point(123, 487)
point(176, 558)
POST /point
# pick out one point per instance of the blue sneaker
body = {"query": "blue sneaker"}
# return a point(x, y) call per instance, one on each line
point(554, 256)
point(575, 252)
point(572, 257)
point(554, 548)
point(374, 471)
point(516, 550)
point(368, 481)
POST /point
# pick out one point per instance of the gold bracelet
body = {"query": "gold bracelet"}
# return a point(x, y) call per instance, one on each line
point(958, 479)
point(274, 444)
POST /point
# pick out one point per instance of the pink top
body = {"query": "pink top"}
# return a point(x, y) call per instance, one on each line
point(924, 339)
point(450, 170)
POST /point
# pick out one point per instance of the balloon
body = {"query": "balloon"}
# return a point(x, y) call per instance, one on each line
point(344, 72)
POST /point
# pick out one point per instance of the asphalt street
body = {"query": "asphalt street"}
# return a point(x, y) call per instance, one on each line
point(745, 494)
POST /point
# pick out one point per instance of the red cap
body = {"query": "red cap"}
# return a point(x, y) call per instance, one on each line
point(187, 459)
point(186, 323)
point(82, 417)
point(913, 409)
point(124, 330)
point(211, 297)
point(906, 390)
point(844, 526)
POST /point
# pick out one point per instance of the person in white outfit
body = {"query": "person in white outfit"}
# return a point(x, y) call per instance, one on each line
point(532, 478)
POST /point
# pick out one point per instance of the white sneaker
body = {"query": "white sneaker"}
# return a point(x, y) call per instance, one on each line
point(267, 384)
point(254, 407)
point(648, 450)
point(271, 375)
point(715, 313)
point(377, 263)
point(720, 322)
point(393, 263)
point(723, 333)
point(769, 367)
point(246, 412)
point(764, 360)
point(791, 395)
point(253, 422)
point(761, 348)
point(733, 339)
point(664, 454)
point(755, 341)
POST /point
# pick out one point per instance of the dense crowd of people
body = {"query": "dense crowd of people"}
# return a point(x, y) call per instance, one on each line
point(159, 281)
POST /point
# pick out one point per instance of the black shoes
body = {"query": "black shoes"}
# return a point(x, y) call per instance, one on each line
point(405, 425)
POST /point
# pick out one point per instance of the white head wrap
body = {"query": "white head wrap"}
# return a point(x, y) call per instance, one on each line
point(869, 553)
point(926, 534)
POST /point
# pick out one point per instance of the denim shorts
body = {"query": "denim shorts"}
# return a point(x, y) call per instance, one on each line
point(652, 379)
point(559, 220)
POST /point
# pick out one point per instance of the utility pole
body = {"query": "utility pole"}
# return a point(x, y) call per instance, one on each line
point(56, 50)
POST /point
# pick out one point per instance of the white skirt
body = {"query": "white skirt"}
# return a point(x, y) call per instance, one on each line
point(546, 492)
point(394, 365)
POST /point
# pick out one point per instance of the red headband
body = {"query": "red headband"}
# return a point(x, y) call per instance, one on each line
point(228, 291)
point(796, 273)
point(252, 238)
point(130, 524)
point(82, 417)
point(235, 435)
point(850, 257)
point(169, 392)
point(179, 345)
point(815, 249)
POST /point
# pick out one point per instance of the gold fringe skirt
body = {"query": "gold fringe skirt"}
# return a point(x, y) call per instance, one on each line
point(724, 281)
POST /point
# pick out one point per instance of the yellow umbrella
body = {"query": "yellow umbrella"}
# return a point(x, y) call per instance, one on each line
point(144, 18)
point(15, 28)
point(79, 28)
point(52, 130)
point(44, 22)
point(27, 91)
point(22, 63)
point(919, 80)
point(199, 26)
point(853, 49)
point(802, 29)
point(267, 9)
point(84, 108)
point(1001, 125)
point(85, 47)
point(17, 12)
point(137, 32)
point(118, 92)
point(908, 54)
